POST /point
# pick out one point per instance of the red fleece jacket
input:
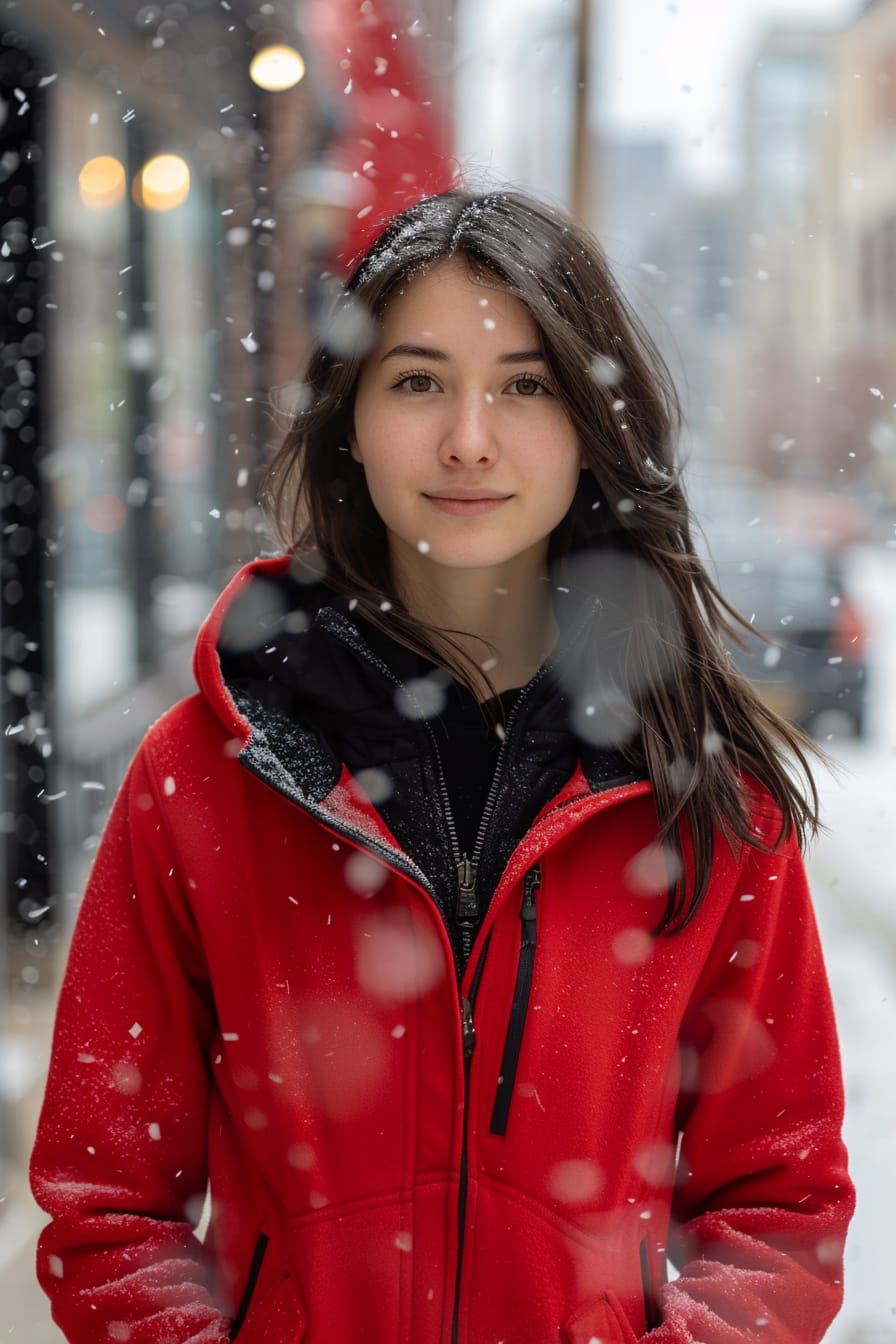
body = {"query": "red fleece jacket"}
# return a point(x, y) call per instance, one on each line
point(260, 999)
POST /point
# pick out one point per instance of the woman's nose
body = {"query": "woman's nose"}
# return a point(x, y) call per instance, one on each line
point(469, 438)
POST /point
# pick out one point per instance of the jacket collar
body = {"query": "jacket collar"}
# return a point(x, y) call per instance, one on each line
point(282, 658)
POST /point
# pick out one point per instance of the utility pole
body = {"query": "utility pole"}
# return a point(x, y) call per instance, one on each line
point(582, 203)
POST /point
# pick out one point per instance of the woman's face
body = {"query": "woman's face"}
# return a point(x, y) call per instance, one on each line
point(470, 459)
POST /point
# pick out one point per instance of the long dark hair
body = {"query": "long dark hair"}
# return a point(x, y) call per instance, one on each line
point(659, 682)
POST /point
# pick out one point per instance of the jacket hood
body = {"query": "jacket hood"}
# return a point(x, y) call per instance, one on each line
point(255, 586)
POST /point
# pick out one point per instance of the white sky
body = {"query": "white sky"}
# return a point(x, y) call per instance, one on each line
point(676, 65)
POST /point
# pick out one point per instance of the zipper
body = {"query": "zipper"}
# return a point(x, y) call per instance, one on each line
point(519, 1007)
point(468, 1028)
point(466, 909)
point(652, 1317)
point(258, 1255)
point(467, 912)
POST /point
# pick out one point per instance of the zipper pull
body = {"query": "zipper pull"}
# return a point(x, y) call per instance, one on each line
point(531, 883)
point(469, 1029)
point(467, 898)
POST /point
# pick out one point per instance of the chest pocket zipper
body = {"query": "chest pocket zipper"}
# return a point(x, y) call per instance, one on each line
point(516, 1025)
point(651, 1314)
point(258, 1255)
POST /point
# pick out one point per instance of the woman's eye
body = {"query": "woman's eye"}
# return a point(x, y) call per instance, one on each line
point(527, 386)
point(415, 382)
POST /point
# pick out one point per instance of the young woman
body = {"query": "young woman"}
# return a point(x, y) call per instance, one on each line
point(455, 937)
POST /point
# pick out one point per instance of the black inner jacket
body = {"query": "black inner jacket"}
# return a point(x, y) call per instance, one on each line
point(467, 734)
point(298, 651)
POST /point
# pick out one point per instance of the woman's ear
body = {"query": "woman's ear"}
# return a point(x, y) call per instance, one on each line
point(353, 446)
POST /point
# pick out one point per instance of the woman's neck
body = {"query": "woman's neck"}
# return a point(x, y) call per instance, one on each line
point(505, 620)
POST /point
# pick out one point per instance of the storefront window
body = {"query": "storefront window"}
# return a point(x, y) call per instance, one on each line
point(136, 340)
point(89, 462)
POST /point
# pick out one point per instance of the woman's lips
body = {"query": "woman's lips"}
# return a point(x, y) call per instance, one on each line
point(466, 507)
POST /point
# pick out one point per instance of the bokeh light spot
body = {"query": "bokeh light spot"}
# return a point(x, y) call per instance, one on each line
point(276, 68)
point(163, 183)
point(101, 182)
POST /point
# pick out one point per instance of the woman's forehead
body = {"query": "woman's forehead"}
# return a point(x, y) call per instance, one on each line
point(450, 291)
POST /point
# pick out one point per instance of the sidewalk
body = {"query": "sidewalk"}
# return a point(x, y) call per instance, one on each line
point(24, 1049)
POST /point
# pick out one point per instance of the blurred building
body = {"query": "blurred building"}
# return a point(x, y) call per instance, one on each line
point(674, 252)
point(787, 92)
point(787, 101)
point(819, 248)
point(147, 262)
point(854, 255)
point(637, 214)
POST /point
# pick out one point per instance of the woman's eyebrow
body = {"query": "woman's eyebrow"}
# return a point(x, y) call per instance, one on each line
point(427, 352)
point(520, 357)
point(418, 351)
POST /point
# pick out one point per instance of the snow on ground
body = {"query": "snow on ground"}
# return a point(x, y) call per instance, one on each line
point(862, 969)
point(853, 874)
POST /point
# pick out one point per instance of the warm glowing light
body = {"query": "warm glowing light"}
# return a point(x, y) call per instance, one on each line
point(101, 182)
point(276, 68)
point(163, 183)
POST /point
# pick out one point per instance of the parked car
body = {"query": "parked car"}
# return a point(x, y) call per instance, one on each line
point(796, 593)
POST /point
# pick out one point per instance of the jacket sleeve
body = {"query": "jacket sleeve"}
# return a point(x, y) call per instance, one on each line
point(763, 1197)
point(120, 1157)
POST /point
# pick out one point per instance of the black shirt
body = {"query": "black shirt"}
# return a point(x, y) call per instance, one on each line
point(468, 735)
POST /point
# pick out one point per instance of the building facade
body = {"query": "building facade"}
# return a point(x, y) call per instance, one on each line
point(147, 257)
